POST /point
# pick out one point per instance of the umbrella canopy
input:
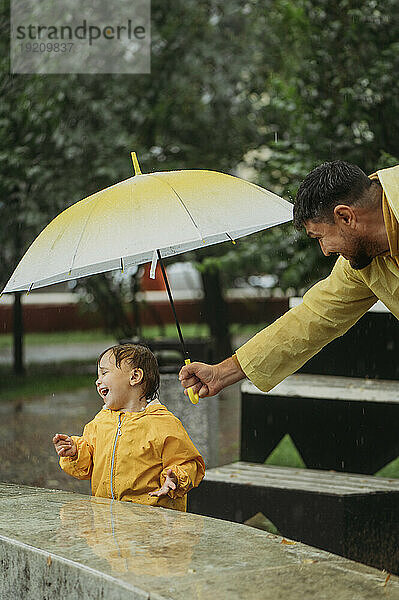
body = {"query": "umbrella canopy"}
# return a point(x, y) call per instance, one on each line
point(124, 225)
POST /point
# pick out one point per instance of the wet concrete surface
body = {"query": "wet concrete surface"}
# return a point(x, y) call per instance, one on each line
point(55, 544)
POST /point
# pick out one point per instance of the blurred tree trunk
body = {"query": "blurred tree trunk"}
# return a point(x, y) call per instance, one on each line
point(216, 314)
point(18, 326)
point(135, 289)
point(18, 331)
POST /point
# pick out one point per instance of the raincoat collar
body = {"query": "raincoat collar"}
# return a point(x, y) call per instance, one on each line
point(392, 227)
point(389, 180)
point(156, 408)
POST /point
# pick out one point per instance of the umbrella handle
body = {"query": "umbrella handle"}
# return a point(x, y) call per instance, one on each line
point(194, 398)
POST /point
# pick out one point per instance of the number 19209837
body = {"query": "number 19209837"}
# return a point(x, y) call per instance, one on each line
point(63, 47)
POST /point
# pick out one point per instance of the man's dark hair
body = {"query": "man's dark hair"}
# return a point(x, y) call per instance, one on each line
point(325, 187)
point(140, 356)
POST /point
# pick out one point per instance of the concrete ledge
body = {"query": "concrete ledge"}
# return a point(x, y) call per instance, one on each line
point(57, 545)
point(331, 387)
point(31, 573)
point(351, 515)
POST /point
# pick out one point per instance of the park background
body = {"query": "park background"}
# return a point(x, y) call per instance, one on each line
point(263, 90)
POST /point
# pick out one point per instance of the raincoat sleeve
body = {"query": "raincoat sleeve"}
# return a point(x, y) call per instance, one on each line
point(180, 455)
point(328, 310)
point(81, 465)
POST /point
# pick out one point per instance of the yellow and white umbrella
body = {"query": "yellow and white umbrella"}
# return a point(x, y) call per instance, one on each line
point(146, 218)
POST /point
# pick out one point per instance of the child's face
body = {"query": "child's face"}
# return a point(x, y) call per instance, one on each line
point(115, 384)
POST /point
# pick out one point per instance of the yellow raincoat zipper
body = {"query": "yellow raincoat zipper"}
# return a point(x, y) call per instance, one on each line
point(118, 433)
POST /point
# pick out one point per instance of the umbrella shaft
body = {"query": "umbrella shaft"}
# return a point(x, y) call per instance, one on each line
point(165, 278)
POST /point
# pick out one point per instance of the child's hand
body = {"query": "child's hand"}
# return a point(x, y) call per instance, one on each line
point(64, 445)
point(170, 484)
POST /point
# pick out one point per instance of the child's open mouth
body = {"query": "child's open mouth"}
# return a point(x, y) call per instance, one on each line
point(103, 392)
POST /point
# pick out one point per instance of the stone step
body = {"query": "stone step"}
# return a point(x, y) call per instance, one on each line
point(332, 388)
point(310, 480)
point(353, 515)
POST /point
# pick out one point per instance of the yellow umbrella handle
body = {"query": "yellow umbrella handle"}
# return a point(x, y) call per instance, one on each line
point(194, 398)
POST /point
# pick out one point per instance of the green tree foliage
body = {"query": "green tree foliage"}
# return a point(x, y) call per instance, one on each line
point(276, 87)
point(334, 94)
point(64, 137)
point(340, 92)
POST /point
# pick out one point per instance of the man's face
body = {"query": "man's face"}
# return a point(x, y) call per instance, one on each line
point(334, 240)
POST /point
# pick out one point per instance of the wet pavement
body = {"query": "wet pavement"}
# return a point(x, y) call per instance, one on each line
point(27, 454)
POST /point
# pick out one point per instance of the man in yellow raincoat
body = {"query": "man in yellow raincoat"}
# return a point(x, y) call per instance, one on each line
point(354, 216)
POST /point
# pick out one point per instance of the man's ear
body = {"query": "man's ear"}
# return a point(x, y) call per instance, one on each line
point(345, 216)
point(136, 376)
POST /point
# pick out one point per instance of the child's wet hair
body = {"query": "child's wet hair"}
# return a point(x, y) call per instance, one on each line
point(140, 356)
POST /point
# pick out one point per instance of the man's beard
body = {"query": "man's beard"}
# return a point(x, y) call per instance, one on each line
point(363, 255)
point(360, 261)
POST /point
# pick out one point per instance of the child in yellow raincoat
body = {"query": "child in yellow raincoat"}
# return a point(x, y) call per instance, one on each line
point(134, 449)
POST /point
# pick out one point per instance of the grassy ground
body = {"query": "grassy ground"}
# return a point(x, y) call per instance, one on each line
point(76, 337)
point(285, 455)
point(57, 337)
point(41, 380)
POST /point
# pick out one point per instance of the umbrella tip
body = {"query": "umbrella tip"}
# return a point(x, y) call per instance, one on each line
point(136, 166)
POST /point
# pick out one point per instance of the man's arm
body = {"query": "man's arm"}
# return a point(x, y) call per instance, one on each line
point(328, 310)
